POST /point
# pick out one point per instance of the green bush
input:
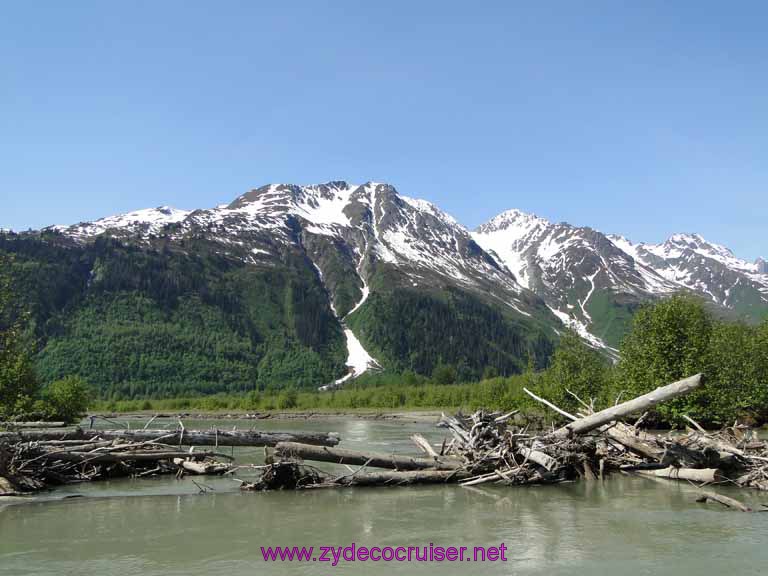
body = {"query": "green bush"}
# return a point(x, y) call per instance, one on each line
point(579, 369)
point(287, 400)
point(66, 399)
point(444, 374)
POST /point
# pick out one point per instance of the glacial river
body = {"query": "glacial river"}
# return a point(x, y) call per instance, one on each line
point(162, 526)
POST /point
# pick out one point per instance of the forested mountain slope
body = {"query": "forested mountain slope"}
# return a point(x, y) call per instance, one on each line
point(309, 286)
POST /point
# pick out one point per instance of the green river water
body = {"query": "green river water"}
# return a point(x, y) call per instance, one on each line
point(162, 526)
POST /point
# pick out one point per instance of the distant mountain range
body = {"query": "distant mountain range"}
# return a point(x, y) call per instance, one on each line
point(405, 286)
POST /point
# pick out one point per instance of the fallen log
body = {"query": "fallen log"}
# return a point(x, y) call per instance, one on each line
point(202, 468)
point(424, 445)
point(705, 475)
point(636, 405)
point(400, 478)
point(183, 437)
point(724, 500)
point(624, 435)
point(36, 424)
point(544, 460)
point(128, 456)
point(373, 459)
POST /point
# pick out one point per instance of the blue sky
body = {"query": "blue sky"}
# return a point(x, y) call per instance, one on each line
point(644, 118)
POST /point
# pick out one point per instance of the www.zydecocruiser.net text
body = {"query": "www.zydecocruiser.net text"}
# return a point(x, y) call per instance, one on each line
point(356, 553)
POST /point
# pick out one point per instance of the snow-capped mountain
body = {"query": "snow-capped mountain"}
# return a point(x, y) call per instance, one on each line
point(140, 222)
point(368, 239)
point(349, 234)
point(593, 282)
point(578, 272)
point(712, 270)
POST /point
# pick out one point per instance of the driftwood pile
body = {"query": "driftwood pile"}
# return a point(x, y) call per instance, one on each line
point(34, 465)
point(485, 448)
point(34, 459)
point(178, 436)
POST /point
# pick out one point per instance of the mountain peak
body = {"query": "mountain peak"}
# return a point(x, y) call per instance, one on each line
point(512, 219)
point(679, 245)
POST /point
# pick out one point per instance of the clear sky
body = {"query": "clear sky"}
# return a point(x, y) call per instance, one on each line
point(642, 118)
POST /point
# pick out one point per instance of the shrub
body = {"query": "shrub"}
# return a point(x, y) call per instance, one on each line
point(444, 374)
point(66, 399)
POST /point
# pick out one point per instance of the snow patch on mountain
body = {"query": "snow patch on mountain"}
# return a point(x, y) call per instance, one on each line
point(358, 359)
point(689, 261)
point(580, 328)
point(148, 221)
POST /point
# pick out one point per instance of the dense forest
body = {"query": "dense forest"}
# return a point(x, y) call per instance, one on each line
point(669, 340)
point(417, 331)
point(180, 318)
point(184, 327)
point(137, 322)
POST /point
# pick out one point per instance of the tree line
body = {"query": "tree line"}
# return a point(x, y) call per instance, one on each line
point(170, 331)
point(669, 340)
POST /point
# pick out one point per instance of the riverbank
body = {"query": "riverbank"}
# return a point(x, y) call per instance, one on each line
point(324, 415)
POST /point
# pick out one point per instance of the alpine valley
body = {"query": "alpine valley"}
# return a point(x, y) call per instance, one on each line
point(310, 286)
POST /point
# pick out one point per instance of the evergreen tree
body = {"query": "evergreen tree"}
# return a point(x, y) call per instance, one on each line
point(18, 382)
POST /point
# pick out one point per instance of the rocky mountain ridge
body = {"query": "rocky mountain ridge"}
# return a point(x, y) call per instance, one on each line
point(368, 240)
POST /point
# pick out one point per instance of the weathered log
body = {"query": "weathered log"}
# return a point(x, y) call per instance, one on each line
point(373, 459)
point(202, 468)
point(707, 475)
point(128, 456)
point(424, 445)
point(399, 478)
point(185, 437)
point(494, 476)
point(724, 500)
point(36, 424)
point(639, 404)
point(7, 488)
point(625, 435)
point(544, 460)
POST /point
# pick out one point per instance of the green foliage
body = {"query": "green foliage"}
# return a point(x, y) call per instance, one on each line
point(736, 374)
point(611, 316)
point(577, 368)
point(669, 341)
point(66, 399)
point(413, 330)
point(444, 374)
point(18, 381)
point(184, 327)
point(287, 400)
point(158, 322)
point(678, 337)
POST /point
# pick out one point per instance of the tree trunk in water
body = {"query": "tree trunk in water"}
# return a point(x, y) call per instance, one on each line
point(707, 475)
point(724, 500)
point(399, 478)
point(183, 437)
point(128, 456)
point(373, 459)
